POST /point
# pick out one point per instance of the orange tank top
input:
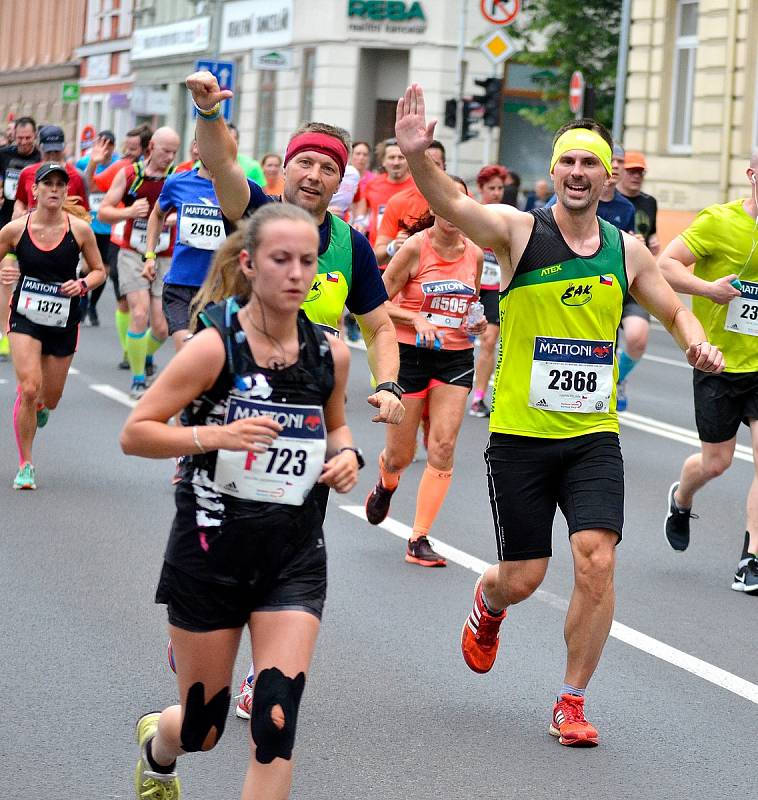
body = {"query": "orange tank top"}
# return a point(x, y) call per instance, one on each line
point(442, 291)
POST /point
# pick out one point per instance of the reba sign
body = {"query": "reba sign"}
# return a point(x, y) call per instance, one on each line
point(385, 16)
point(248, 24)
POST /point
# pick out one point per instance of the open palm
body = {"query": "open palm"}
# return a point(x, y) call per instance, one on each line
point(414, 134)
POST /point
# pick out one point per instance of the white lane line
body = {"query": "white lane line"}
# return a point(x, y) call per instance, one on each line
point(640, 641)
point(73, 371)
point(674, 432)
point(113, 393)
point(671, 362)
point(359, 345)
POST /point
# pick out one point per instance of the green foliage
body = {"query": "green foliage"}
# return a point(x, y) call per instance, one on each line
point(575, 34)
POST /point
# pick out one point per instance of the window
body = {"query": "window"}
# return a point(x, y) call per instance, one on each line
point(306, 96)
point(264, 138)
point(683, 77)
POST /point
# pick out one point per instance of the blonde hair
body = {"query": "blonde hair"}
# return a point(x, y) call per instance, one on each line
point(225, 278)
point(73, 205)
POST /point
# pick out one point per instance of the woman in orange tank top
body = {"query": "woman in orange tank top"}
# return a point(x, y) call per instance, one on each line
point(431, 282)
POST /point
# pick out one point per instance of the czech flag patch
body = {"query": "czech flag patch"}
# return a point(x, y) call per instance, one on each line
point(606, 280)
point(333, 277)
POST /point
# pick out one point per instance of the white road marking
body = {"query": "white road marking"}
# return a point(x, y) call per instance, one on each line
point(674, 432)
point(640, 641)
point(671, 362)
point(73, 371)
point(359, 345)
point(113, 393)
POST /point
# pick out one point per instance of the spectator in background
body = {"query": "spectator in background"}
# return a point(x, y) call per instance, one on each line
point(511, 190)
point(491, 183)
point(539, 197)
point(272, 171)
point(10, 130)
point(360, 158)
point(645, 205)
point(250, 166)
point(194, 158)
point(342, 199)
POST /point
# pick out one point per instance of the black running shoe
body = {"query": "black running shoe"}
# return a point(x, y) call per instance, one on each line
point(124, 363)
point(746, 577)
point(378, 503)
point(421, 552)
point(677, 525)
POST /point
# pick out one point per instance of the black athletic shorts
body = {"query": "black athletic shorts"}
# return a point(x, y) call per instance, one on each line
point(490, 299)
point(58, 342)
point(529, 477)
point(722, 402)
point(108, 250)
point(176, 306)
point(422, 369)
point(633, 309)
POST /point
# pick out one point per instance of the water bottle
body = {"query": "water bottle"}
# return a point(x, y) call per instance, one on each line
point(419, 343)
point(475, 315)
point(737, 283)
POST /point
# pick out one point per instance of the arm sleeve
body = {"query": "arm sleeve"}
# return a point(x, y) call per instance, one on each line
point(367, 291)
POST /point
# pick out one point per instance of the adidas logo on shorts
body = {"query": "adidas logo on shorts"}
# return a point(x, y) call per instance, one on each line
point(542, 403)
point(231, 487)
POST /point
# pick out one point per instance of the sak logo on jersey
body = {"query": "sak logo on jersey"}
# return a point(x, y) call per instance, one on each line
point(577, 294)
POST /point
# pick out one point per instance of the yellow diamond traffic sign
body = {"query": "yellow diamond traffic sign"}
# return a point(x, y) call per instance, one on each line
point(498, 47)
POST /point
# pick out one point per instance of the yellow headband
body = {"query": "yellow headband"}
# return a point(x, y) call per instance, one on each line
point(582, 139)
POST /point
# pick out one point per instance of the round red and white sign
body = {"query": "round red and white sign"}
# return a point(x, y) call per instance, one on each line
point(500, 12)
point(576, 92)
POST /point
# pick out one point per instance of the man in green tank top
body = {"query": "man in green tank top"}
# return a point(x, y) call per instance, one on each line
point(716, 261)
point(554, 432)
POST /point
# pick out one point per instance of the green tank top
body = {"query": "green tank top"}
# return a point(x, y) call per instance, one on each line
point(334, 278)
point(556, 372)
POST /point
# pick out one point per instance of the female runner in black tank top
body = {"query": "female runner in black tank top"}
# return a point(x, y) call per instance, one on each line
point(246, 547)
point(44, 320)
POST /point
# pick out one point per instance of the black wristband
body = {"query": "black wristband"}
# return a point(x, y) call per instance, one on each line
point(391, 386)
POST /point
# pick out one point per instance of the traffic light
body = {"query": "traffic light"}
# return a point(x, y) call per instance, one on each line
point(491, 100)
point(469, 105)
point(451, 113)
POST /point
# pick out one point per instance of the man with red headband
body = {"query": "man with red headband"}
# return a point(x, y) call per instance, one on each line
point(314, 163)
point(554, 430)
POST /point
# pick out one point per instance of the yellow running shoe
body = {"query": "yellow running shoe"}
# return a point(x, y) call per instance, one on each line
point(151, 785)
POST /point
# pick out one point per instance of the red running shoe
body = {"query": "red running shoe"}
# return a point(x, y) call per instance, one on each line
point(244, 707)
point(481, 635)
point(569, 724)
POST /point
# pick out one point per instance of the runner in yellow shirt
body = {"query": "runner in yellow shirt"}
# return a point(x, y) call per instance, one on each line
point(716, 261)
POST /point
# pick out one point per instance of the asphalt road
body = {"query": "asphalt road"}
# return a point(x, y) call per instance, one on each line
point(390, 710)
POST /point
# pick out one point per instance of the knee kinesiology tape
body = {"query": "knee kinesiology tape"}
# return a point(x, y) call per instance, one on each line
point(201, 717)
point(273, 688)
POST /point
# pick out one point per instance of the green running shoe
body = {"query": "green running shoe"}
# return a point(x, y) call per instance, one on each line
point(25, 478)
point(151, 785)
point(43, 415)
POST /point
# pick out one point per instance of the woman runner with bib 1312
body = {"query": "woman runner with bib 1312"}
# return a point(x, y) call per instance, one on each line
point(44, 320)
point(263, 394)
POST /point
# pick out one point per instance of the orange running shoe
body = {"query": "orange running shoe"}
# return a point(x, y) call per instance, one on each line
point(481, 635)
point(569, 724)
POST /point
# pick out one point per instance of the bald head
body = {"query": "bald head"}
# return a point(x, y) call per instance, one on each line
point(164, 146)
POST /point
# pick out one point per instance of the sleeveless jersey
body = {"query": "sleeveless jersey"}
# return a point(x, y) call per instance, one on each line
point(331, 285)
point(211, 516)
point(441, 291)
point(139, 185)
point(556, 374)
point(37, 295)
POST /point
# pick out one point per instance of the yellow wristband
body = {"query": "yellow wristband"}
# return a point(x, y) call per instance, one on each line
point(150, 254)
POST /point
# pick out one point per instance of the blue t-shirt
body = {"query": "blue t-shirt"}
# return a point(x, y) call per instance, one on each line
point(96, 196)
point(619, 211)
point(200, 227)
point(367, 290)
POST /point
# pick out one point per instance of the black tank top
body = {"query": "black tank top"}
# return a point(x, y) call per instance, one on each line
point(212, 528)
point(51, 266)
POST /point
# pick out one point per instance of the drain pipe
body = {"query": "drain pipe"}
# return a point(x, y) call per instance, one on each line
point(726, 128)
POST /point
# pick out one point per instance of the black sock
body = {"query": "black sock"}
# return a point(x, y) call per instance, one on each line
point(157, 767)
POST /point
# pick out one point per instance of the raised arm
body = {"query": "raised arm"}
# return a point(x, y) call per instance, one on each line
point(485, 226)
point(217, 148)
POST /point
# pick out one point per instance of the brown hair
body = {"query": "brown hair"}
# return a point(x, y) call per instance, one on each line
point(271, 155)
point(427, 220)
point(73, 205)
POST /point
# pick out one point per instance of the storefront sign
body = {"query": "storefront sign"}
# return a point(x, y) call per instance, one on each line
point(190, 36)
point(385, 16)
point(281, 58)
point(256, 23)
point(118, 100)
point(70, 93)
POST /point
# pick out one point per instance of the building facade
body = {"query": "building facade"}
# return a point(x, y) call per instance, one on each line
point(692, 101)
point(39, 71)
point(105, 79)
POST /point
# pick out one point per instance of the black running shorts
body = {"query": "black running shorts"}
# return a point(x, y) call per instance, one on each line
point(490, 299)
point(176, 306)
point(422, 369)
point(58, 342)
point(529, 478)
point(722, 402)
point(633, 309)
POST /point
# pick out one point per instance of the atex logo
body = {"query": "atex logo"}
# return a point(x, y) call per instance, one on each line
point(550, 270)
point(577, 294)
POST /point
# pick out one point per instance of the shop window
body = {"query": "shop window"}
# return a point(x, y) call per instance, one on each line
point(264, 137)
point(306, 91)
point(683, 76)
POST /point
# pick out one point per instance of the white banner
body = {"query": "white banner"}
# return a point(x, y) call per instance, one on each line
point(256, 23)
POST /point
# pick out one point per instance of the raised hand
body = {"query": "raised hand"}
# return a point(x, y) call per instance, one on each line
point(205, 90)
point(414, 134)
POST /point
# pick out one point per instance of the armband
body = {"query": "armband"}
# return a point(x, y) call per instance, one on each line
point(150, 254)
point(196, 440)
point(210, 114)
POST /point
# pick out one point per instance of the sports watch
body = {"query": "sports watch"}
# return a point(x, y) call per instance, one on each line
point(358, 454)
point(391, 386)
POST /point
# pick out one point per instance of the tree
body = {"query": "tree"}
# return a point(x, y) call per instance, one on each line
point(561, 36)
